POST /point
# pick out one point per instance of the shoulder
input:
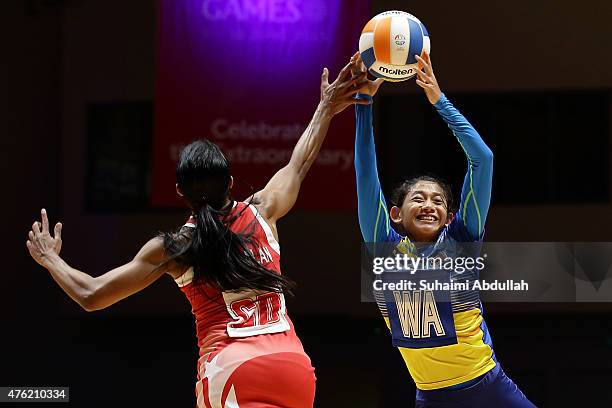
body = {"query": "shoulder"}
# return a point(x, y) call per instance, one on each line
point(154, 254)
point(152, 251)
point(267, 225)
point(250, 218)
point(244, 213)
point(393, 236)
point(264, 201)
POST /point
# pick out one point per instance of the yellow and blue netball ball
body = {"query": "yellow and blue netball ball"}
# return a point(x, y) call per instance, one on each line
point(389, 43)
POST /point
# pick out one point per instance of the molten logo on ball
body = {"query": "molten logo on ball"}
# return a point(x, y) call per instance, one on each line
point(396, 71)
point(400, 40)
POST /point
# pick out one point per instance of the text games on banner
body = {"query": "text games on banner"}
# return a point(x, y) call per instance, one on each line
point(246, 75)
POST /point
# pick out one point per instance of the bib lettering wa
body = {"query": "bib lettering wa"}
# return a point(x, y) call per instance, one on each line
point(419, 318)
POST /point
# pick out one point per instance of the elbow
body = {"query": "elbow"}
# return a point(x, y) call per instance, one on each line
point(489, 160)
point(486, 159)
point(88, 304)
point(89, 301)
point(88, 309)
point(488, 156)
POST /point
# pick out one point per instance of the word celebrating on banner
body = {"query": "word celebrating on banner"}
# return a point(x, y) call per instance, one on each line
point(246, 75)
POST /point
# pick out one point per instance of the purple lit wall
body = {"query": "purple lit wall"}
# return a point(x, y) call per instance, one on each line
point(246, 74)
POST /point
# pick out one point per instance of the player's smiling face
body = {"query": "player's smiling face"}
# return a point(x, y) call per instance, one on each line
point(424, 212)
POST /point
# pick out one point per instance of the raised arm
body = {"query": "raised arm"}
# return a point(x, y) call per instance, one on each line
point(280, 194)
point(102, 291)
point(371, 205)
point(476, 191)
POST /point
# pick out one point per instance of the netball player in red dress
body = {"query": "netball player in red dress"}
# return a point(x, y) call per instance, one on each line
point(226, 260)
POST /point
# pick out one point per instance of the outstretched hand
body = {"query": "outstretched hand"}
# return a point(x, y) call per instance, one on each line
point(40, 243)
point(359, 69)
point(340, 94)
point(426, 78)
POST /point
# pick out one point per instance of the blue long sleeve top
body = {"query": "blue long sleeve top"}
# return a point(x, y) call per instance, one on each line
point(463, 351)
point(475, 195)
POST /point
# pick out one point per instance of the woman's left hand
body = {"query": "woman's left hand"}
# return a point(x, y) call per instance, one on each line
point(340, 94)
point(40, 242)
point(426, 78)
point(359, 70)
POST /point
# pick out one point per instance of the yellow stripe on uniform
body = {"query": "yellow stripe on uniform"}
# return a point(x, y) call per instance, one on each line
point(471, 193)
point(381, 206)
point(438, 367)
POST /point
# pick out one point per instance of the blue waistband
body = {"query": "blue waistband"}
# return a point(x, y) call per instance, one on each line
point(464, 386)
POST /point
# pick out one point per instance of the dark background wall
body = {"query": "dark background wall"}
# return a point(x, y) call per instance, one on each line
point(61, 56)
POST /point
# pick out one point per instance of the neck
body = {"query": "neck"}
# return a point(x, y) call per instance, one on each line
point(227, 203)
point(423, 240)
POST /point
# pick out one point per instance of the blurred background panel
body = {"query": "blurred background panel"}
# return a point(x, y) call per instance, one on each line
point(78, 81)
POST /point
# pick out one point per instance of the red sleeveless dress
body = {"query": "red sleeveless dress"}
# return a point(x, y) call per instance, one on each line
point(250, 355)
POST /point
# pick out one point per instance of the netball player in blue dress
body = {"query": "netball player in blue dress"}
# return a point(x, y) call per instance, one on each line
point(454, 366)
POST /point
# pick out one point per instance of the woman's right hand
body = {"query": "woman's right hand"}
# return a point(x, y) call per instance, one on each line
point(41, 244)
point(370, 87)
point(426, 78)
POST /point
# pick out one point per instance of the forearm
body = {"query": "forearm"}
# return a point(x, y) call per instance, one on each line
point(280, 194)
point(78, 285)
point(477, 184)
point(309, 144)
point(475, 149)
point(365, 151)
point(372, 209)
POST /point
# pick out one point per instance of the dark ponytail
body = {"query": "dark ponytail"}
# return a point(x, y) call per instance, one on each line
point(220, 257)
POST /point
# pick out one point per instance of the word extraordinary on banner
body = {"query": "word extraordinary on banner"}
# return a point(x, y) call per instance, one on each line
point(246, 75)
